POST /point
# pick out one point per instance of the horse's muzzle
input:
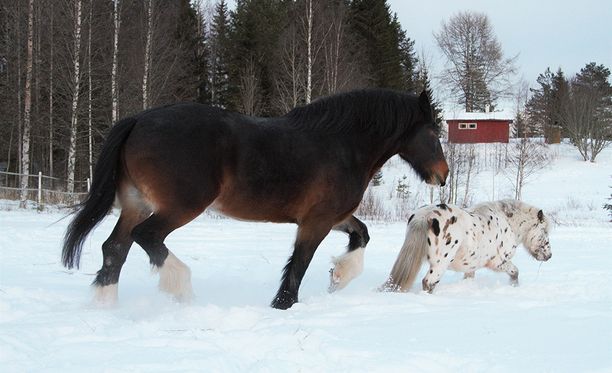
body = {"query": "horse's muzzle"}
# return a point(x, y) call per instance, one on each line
point(439, 173)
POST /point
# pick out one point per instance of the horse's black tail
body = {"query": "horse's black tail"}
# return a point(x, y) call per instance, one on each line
point(101, 197)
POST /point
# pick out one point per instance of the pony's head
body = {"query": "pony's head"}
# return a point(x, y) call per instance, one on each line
point(423, 149)
point(536, 240)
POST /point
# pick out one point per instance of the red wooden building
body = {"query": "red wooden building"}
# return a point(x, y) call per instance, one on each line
point(470, 128)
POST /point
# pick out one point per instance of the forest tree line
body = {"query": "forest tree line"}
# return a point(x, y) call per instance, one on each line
point(69, 69)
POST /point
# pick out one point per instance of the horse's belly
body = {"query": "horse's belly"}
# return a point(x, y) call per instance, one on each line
point(251, 211)
point(469, 259)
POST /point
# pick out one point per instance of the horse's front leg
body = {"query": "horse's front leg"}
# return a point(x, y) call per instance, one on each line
point(349, 265)
point(309, 236)
point(511, 270)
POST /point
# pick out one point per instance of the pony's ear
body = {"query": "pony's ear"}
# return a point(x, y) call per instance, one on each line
point(425, 106)
point(541, 216)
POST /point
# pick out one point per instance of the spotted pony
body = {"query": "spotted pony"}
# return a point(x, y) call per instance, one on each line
point(465, 240)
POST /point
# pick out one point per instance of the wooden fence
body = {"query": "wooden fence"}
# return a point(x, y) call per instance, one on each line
point(42, 189)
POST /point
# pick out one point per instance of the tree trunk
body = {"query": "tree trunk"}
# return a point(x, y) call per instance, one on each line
point(114, 93)
point(75, 98)
point(309, 53)
point(89, 93)
point(25, 147)
point(147, 56)
point(51, 57)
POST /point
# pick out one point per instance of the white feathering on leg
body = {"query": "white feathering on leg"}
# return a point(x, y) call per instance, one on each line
point(346, 268)
point(106, 296)
point(175, 278)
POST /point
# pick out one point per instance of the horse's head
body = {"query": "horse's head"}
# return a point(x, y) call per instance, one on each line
point(536, 241)
point(422, 148)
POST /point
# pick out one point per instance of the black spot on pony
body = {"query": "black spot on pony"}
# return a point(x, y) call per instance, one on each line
point(310, 167)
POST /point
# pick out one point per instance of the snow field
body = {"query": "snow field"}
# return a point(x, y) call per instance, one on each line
point(558, 320)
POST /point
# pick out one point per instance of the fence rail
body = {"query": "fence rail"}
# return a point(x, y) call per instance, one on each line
point(43, 189)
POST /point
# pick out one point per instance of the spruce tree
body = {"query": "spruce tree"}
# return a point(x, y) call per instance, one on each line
point(382, 37)
point(255, 29)
point(423, 83)
point(219, 56)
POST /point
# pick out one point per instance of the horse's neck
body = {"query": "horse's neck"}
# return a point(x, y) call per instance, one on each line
point(520, 223)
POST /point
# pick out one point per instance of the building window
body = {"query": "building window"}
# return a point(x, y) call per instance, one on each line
point(466, 126)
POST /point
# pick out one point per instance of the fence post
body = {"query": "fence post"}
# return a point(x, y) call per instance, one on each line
point(39, 190)
point(88, 184)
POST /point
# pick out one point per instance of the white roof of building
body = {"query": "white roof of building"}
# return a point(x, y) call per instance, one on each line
point(495, 115)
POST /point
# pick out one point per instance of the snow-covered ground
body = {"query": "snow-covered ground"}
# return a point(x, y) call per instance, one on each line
point(558, 320)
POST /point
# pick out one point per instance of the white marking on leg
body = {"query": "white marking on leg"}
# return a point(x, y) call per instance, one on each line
point(346, 268)
point(106, 296)
point(175, 278)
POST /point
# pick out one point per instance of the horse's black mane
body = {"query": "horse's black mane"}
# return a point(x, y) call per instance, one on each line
point(375, 111)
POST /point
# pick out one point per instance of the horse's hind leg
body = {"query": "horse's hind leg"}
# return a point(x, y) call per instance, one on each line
point(349, 265)
point(174, 275)
point(115, 250)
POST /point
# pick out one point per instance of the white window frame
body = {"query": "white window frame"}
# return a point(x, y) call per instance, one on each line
point(468, 126)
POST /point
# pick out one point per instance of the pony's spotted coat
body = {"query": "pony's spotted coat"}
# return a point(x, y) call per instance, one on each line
point(465, 240)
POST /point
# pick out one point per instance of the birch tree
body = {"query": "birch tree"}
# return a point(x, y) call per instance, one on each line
point(27, 111)
point(76, 82)
point(114, 92)
point(147, 55)
point(525, 159)
point(51, 93)
point(89, 96)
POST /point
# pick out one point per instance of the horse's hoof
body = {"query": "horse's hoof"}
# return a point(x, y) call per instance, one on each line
point(334, 281)
point(284, 301)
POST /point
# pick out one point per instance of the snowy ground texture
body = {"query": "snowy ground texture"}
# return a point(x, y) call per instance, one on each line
point(558, 320)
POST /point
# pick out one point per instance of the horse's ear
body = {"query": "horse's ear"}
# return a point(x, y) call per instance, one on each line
point(424, 101)
point(541, 216)
point(425, 105)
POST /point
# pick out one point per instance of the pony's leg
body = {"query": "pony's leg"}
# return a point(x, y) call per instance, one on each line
point(115, 250)
point(511, 270)
point(309, 236)
point(432, 277)
point(467, 275)
point(349, 265)
point(174, 275)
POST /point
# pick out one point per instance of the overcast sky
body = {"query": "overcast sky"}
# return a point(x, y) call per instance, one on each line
point(555, 33)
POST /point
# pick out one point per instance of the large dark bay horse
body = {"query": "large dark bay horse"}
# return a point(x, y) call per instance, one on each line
point(165, 166)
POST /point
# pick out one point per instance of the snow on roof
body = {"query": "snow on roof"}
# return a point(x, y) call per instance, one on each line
point(495, 115)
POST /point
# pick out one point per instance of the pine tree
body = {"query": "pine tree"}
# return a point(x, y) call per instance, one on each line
point(388, 50)
point(423, 83)
point(408, 59)
point(219, 56)
point(544, 106)
point(255, 29)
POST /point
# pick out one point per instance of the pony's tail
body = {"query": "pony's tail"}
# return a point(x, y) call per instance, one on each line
point(101, 196)
point(410, 257)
